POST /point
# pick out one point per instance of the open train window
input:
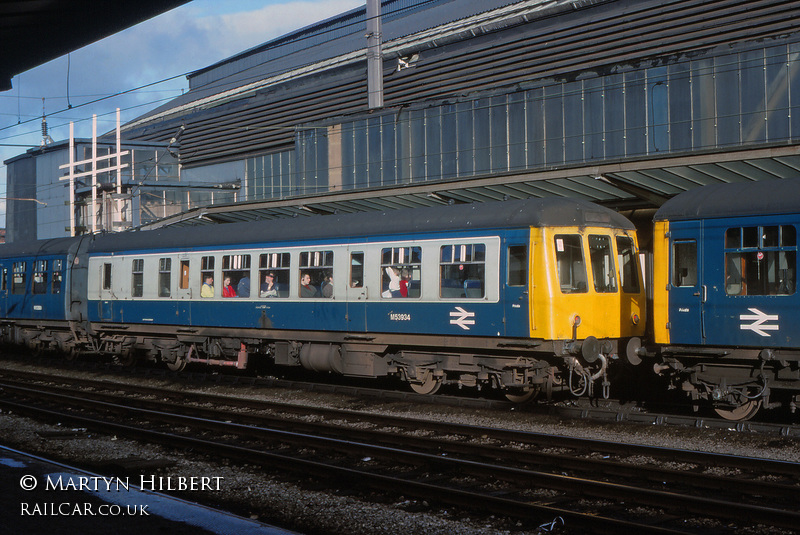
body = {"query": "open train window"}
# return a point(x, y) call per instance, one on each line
point(273, 274)
point(761, 260)
point(462, 270)
point(207, 276)
point(628, 264)
point(316, 274)
point(137, 277)
point(18, 272)
point(40, 277)
point(164, 277)
point(236, 270)
point(57, 275)
point(401, 272)
point(570, 264)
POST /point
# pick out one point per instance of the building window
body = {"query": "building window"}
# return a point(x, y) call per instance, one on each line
point(40, 277)
point(462, 271)
point(570, 264)
point(164, 277)
point(761, 260)
point(401, 272)
point(137, 277)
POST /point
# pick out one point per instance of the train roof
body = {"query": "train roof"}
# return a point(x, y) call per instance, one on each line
point(733, 199)
point(551, 211)
point(534, 212)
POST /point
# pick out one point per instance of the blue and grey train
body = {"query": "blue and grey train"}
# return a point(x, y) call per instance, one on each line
point(521, 296)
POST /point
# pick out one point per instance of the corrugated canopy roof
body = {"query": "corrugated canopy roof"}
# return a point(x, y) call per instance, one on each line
point(623, 185)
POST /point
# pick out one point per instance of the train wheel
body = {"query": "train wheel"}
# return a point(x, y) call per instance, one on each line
point(743, 412)
point(430, 385)
point(177, 366)
point(522, 396)
point(126, 359)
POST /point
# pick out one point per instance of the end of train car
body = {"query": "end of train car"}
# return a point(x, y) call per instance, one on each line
point(726, 309)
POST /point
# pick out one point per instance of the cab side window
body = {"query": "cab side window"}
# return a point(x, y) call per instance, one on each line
point(684, 264)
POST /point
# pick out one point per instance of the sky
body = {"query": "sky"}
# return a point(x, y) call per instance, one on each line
point(154, 55)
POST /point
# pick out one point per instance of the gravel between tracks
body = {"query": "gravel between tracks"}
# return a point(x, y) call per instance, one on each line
point(302, 507)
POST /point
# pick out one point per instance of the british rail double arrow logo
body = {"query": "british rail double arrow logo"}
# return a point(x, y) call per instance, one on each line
point(759, 319)
point(462, 318)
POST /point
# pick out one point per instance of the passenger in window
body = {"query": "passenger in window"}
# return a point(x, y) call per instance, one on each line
point(243, 288)
point(268, 287)
point(227, 289)
point(306, 290)
point(405, 278)
point(327, 286)
point(207, 289)
point(394, 282)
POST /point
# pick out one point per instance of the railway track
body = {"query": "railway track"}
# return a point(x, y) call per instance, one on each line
point(591, 485)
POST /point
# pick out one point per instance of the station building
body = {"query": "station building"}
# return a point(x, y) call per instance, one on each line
point(621, 102)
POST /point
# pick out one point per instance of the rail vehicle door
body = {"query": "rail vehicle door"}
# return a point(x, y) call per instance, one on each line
point(516, 287)
point(687, 293)
point(3, 290)
point(357, 292)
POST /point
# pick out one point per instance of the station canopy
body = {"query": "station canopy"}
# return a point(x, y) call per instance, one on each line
point(623, 186)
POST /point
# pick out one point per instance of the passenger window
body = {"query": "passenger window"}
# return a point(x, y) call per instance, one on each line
point(462, 271)
point(57, 265)
point(356, 270)
point(570, 264)
point(771, 269)
point(273, 273)
point(137, 277)
point(236, 275)
point(517, 265)
point(628, 265)
point(106, 276)
point(316, 274)
point(401, 270)
point(684, 264)
point(19, 270)
point(603, 270)
point(207, 276)
point(40, 277)
point(164, 277)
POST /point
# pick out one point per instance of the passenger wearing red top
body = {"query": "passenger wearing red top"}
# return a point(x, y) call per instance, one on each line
point(227, 289)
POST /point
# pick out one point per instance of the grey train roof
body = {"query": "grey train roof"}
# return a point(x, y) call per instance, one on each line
point(551, 211)
point(734, 199)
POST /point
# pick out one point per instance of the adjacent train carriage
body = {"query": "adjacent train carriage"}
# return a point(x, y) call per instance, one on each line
point(726, 308)
point(519, 295)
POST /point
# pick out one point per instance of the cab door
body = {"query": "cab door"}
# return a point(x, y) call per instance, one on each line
point(516, 288)
point(687, 294)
